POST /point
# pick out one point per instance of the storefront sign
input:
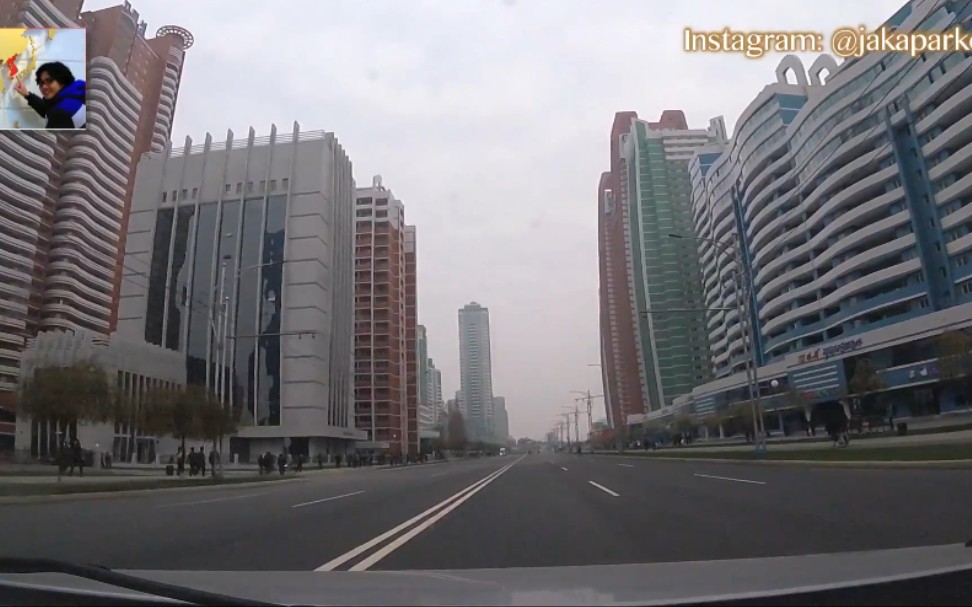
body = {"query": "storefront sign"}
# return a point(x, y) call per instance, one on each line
point(830, 351)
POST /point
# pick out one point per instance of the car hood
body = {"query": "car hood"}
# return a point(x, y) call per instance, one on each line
point(629, 584)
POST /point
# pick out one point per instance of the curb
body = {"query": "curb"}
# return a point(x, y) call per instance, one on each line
point(935, 464)
point(99, 495)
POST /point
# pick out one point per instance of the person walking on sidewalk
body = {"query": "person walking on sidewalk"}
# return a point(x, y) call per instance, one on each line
point(202, 460)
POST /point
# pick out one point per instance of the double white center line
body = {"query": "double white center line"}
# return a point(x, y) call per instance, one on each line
point(415, 525)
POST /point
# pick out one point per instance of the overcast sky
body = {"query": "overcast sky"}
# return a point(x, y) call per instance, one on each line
point(489, 119)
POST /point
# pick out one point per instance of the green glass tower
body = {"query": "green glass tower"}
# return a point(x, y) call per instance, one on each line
point(664, 272)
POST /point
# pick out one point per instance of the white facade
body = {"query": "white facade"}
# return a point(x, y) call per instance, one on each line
point(476, 373)
point(239, 255)
point(132, 366)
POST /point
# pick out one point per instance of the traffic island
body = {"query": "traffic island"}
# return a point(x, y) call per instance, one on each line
point(101, 487)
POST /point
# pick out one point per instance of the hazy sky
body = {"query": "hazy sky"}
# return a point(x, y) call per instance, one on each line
point(489, 119)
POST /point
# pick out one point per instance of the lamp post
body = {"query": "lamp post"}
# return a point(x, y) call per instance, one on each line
point(747, 330)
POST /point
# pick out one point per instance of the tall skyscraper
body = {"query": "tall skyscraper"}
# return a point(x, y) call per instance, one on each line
point(647, 273)
point(475, 367)
point(845, 195)
point(69, 193)
point(384, 404)
point(236, 237)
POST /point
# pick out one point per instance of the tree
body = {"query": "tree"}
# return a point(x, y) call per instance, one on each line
point(176, 411)
point(865, 382)
point(66, 395)
point(456, 431)
point(214, 419)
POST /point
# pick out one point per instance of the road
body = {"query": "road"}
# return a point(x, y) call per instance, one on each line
point(512, 511)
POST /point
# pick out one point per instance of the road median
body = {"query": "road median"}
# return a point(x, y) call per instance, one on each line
point(20, 493)
point(917, 456)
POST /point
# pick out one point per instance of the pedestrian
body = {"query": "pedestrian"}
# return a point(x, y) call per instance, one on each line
point(193, 461)
point(300, 463)
point(282, 463)
point(337, 460)
point(62, 98)
point(320, 461)
point(181, 461)
point(213, 460)
point(77, 457)
point(202, 460)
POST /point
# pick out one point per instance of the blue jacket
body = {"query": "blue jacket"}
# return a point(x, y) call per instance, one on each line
point(66, 110)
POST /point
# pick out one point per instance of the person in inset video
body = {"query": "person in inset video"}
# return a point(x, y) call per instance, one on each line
point(62, 100)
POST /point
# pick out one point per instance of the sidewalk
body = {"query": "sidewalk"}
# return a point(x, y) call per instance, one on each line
point(813, 444)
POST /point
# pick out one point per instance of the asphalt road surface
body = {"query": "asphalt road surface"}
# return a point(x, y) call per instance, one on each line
point(511, 511)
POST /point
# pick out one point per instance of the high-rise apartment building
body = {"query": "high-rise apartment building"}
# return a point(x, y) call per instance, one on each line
point(153, 66)
point(248, 250)
point(411, 339)
point(847, 195)
point(425, 412)
point(70, 193)
point(435, 393)
point(475, 368)
point(385, 325)
point(644, 263)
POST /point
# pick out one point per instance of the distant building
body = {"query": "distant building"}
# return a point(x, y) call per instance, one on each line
point(501, 421)
point(476, 376)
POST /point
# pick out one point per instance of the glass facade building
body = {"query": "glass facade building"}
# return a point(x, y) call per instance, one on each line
point(239, 255)
point(665, 283)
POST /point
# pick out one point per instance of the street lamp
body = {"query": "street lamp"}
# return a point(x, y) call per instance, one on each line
point(748, 331)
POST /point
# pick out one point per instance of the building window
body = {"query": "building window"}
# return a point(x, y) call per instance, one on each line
point(195, 193)
point(185, 194)
point(249, 186)
point(164, 196)
point(285, 183)
point(227, 188)
point(239, 188)
point(273, 185)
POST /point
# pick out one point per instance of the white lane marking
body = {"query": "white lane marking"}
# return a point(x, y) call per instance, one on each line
point(338, 561)
point(211, 501)
point(727, 478)
point(605, 489)
point(327, 499)
point(403, 539)
point(626, 465)
point(564, 469)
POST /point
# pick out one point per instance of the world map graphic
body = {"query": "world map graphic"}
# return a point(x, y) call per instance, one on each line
point(22, 51)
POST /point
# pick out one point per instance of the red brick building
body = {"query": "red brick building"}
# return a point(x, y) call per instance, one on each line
point(385, 365)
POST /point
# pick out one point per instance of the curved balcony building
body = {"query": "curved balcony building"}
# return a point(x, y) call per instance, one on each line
point(845, 197)
point(87, 221)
